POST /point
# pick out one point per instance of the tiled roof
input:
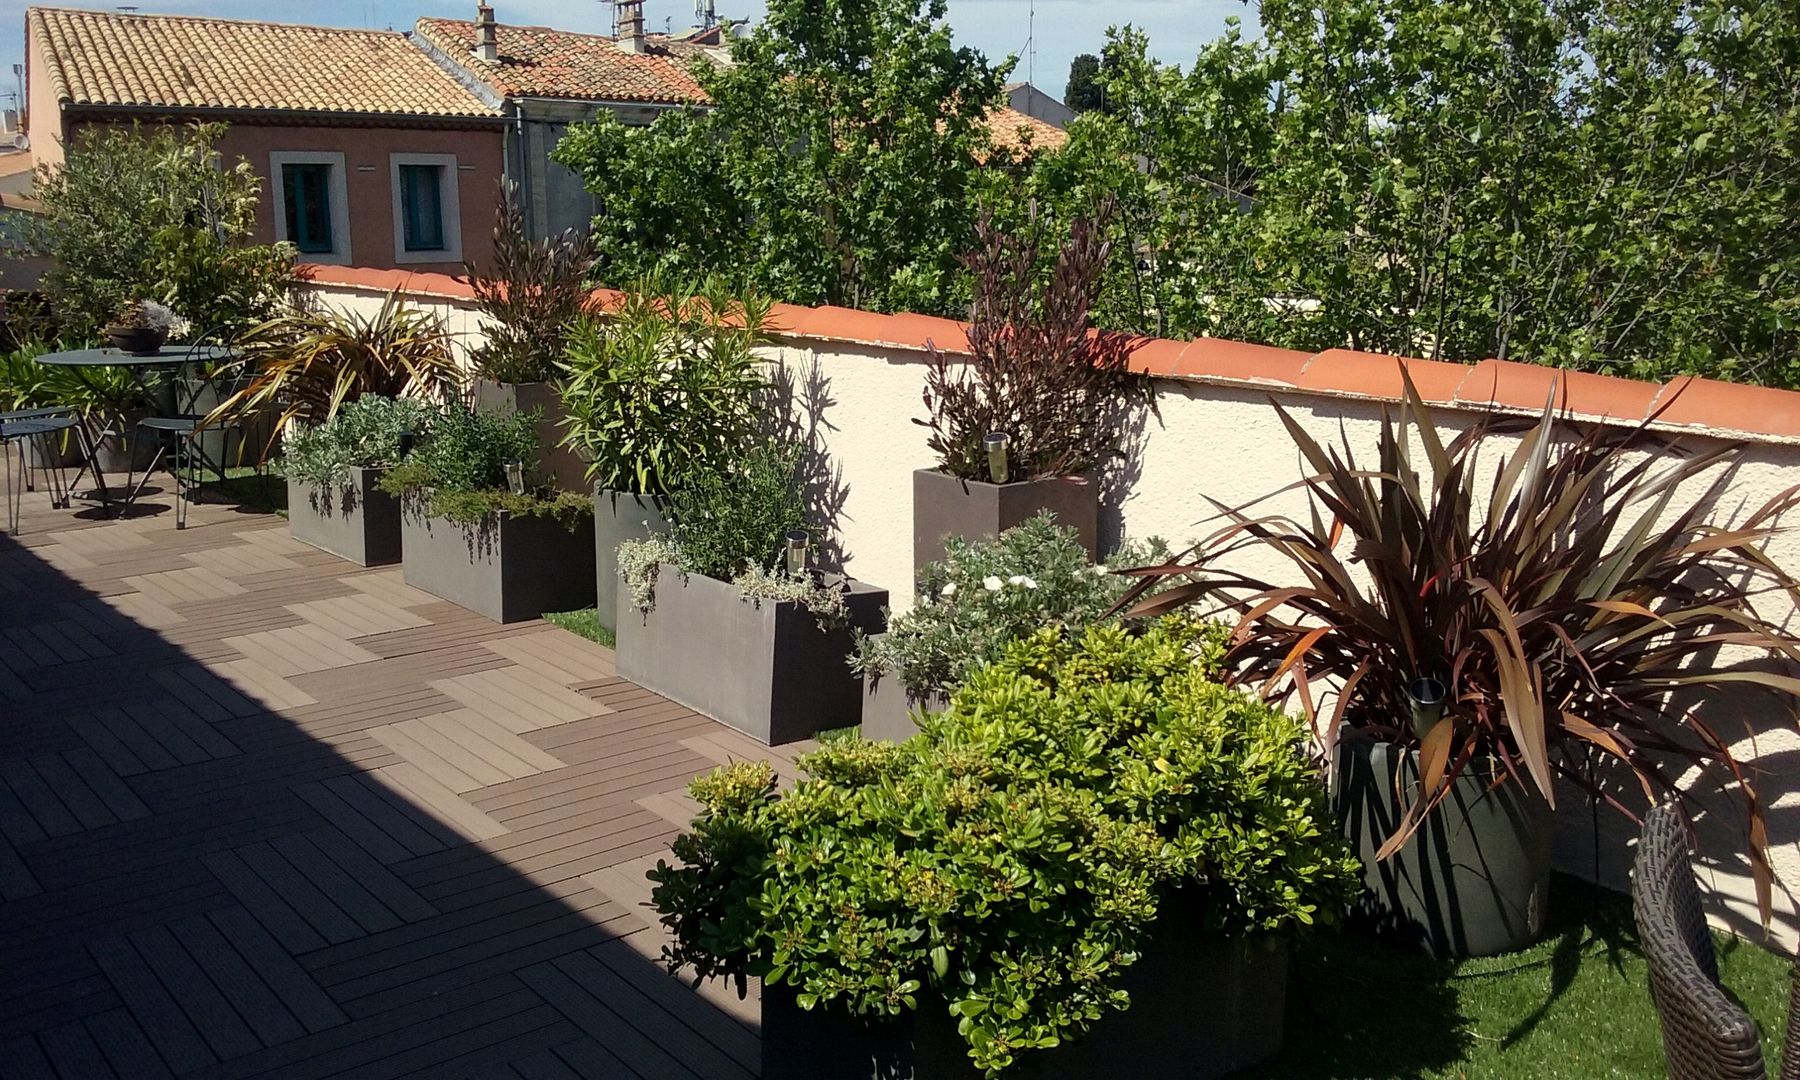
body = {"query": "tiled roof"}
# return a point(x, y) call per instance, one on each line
point(182, 62)
point(1012, 129)
point(537, 61)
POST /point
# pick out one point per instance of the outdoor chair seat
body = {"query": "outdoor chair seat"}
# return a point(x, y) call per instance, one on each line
point(21, 430)
point(1706, 1035)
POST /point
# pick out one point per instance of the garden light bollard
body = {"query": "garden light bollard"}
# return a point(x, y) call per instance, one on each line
point(995, 445)
point(515, 477)
point(797, 542)
point(1426, 696)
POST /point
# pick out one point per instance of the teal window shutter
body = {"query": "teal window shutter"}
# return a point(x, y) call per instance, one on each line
point(306, 194)
point(422, 204)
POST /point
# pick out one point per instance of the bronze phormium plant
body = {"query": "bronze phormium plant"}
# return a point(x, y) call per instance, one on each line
point(534, 295)
point(1570, 605)
point(1038, 370)
point(306, 365)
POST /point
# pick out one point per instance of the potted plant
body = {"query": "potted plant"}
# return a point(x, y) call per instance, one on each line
point(968, 607)
point(1041, 400)
point(303, 365)
point(667, 384)
point(1095, 824)
point(536, 293)
point(141, 327)
point(477, 526)
point(727, 617)
point(333, 470)
point(1535, 619)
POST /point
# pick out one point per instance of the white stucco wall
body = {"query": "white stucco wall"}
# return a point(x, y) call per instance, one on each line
point(1226, 442)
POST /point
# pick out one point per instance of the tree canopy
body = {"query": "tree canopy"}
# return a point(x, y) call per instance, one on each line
point(1605, 184)
point(838, 162)
point(155, 214)
point(1083, 92)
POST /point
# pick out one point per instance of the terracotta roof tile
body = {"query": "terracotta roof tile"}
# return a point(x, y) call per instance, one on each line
point(182, 62)
point(537, 61)
point(1013, 130)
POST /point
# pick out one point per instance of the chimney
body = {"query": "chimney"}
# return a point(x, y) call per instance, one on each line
point(487, 35)
point(628, 25)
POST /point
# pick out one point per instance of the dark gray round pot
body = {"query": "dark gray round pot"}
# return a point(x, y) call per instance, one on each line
point(1474, 879)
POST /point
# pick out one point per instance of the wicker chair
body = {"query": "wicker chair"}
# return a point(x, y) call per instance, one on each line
point(1706, 1036)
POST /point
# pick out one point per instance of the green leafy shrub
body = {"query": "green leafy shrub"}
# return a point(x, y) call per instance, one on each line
point(987, 594)
point(460, 471)
point(157, 212)
point(368, 433)
point(666, 385)
point(1009, 864)
point(732, 518)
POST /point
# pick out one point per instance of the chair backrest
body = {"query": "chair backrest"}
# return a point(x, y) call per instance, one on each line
point(1705, 1035)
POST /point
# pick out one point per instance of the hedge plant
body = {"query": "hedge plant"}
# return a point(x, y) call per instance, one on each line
point(1008, 865)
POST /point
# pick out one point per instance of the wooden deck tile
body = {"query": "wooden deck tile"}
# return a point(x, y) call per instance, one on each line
point(265, 814)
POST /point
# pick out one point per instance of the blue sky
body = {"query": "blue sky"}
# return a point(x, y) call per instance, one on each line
point(1064, 28)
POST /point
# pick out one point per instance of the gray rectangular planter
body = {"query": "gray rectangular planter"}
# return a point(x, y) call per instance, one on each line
point(1201, 1006)
point(619, 516)
point(888, 707)
point(355, 521)
point(945, 505)
point(763, 667)
point(562, 466)
point(509, 568)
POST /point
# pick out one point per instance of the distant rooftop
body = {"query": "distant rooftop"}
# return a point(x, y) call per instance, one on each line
point(179, 62)
point(542, 62)
point(1012, 129)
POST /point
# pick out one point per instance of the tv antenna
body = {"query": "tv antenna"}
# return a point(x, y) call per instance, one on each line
point(706, 13)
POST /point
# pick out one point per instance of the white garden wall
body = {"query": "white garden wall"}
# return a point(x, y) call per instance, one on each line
point(1214, 434)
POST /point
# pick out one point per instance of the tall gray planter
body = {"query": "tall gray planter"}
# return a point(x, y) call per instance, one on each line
point(507, 568)
point(619, 516)
point(1201, 1007)
point(355, 520)
point(763, 667)
point(945, 505)
point(562, 466)
point(1474, 879)
point(888, 706)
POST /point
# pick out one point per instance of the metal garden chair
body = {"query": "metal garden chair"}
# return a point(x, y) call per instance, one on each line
point(21, 429)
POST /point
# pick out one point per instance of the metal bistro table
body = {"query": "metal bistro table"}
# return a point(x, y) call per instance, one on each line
point(141, 366)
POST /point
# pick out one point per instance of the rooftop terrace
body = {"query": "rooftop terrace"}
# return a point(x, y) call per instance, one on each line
point(263, 813)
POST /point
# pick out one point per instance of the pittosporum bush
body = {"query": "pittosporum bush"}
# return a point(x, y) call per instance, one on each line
point(1037, 370)
point(368, 433)
point(985, 594)
point(460, 470)
point(1009, 864)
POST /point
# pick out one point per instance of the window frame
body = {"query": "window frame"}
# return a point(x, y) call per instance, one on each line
point(449, 208)
point(337, 189)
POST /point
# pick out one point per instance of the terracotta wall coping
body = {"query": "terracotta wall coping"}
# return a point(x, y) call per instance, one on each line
point(1729, 409)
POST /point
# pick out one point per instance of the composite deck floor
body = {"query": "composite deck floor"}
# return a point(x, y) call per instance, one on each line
point(266, 813)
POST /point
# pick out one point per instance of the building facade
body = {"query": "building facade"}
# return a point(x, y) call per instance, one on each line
point(370, 154)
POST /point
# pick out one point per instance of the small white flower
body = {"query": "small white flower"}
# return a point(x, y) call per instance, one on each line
point(1030, 583)
point(992, 584)
point(1101, 571)
point(948, 590)
point(1021, 579)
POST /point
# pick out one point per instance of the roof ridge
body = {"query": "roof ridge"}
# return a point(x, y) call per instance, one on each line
point(126, 16)
point(608, 38)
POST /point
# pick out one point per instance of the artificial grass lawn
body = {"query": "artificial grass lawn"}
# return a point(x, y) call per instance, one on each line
point(1576, 1005)
point(585, 622)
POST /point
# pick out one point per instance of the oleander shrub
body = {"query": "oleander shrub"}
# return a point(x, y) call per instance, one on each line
point(1008, 865)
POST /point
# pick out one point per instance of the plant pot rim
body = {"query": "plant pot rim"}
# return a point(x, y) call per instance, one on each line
point(1073, 478)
